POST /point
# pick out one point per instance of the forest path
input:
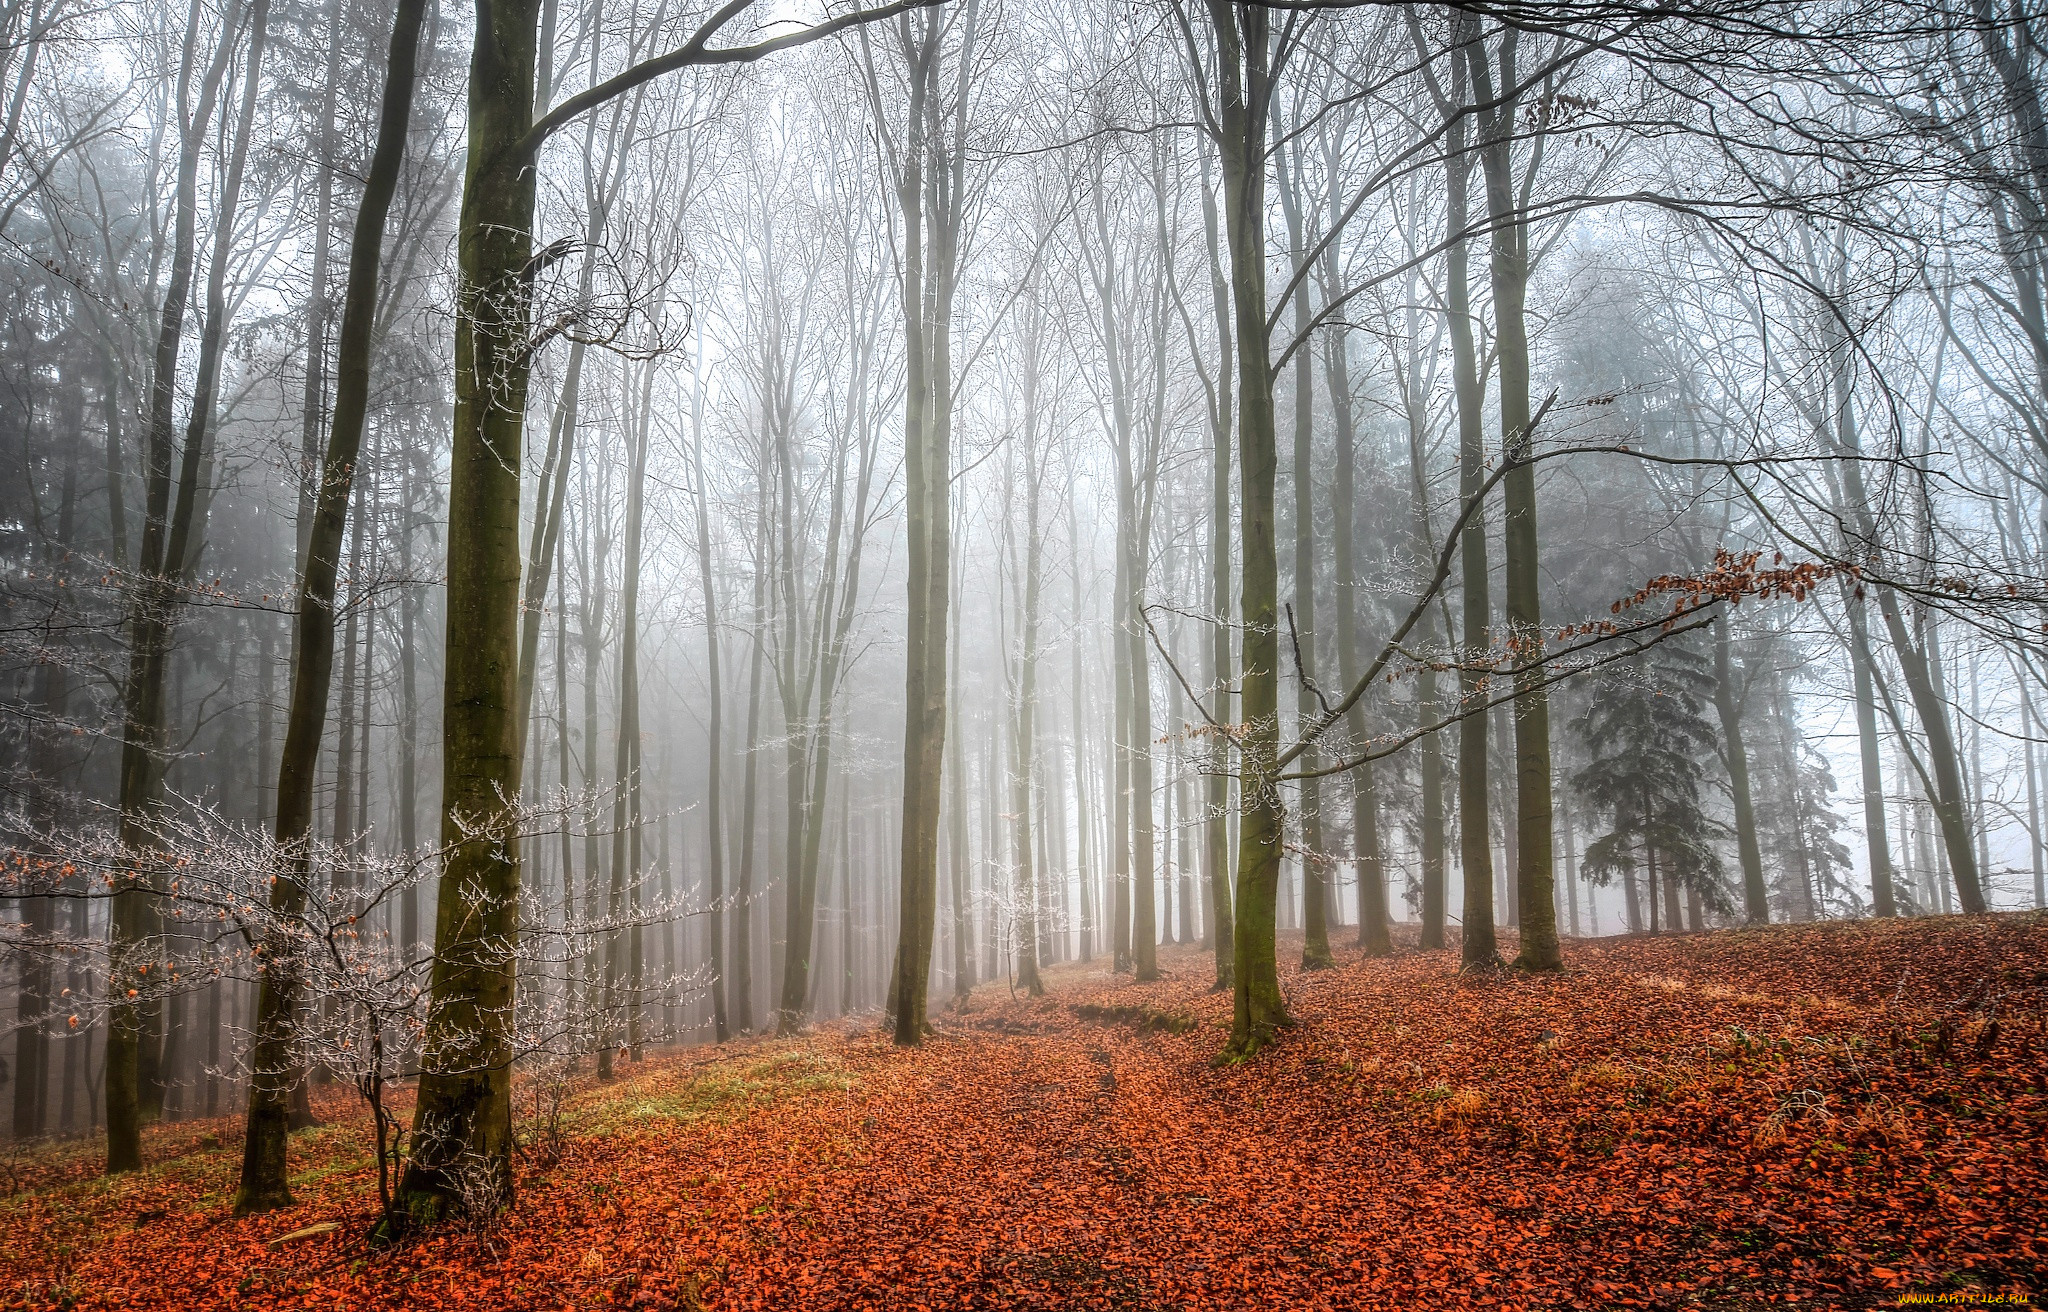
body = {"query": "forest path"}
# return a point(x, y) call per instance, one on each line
point(1710, 1121)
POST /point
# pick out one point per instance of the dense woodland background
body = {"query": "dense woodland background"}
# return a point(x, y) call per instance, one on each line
point(1098, 369)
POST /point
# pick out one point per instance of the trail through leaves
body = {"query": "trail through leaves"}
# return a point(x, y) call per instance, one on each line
point(1828, 1116)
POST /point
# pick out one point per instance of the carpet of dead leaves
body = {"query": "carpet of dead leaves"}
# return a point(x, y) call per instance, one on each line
point(1828, 1116)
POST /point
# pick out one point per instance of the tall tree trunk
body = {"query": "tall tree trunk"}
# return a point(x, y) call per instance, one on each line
point(847, 947)
point(1024, 734)
point(1243, 36)
point(1951, 807)
point(1120, 758)
point(592, 599)
point(956, 840)
point(1315, 861)
point(1144, 892)
point(2031, 729)
point(52, 702)
point(810, 697)
point(1216, 787)
point(1571, 873)
point(1535, 869)
point(1756, 909)
point(1084, 812)
point(1374, 936)
point(1431, 765)
point(930, 194)
point(264, 1179)
point(577, 920)
point(462, 1120)
point(1475, 846)
point(743, 883)
point(625, 854)
point(345, 823)
point(714, 804)
point(408, 717)
point(154, 600)
point(319, 308)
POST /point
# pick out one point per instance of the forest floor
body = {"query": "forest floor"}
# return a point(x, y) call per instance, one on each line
point(1845, 1115)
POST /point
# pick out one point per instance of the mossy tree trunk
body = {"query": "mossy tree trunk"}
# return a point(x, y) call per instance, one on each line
point(1242, 36)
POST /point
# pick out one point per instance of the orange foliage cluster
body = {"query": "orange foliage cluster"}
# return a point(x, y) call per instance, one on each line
point(1822, 1115)
point(1732, 578)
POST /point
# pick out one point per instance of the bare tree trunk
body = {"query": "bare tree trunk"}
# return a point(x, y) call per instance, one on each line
point(313, 407)
point(1216, 826)
point(264, 1178)
point(1315, 860)
point(1535, 872)
point(408, 716)
point(1756, 908)
point(52, 702)
point(1571, 873)
point(1951, 807)
point(345, 822)
point(846, 939)
point(929, 169)
point(578, 920)
point(1024, 736)
point(154, 600)
point(1374, 936)
point(625, 855)
point(1120, 757)
point(1431, 766)
point(714, 804)
point(1475, 847)
point(743, 886)
point(462, 1120)
point(956, 841)
point(2037, 844)
point(1084, 812)
point(1243, 38)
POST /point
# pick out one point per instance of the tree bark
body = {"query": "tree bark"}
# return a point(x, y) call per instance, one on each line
point(1315, 862)
point(1431, 766)
point(620, 954)
point(930, 177)
point(1475, 846)
point(154, 600)
point(1535, 871)
point(1243, 36)
point(1216, 785)
point(52, 702)
point(462, 1121)
point(714, 768)
point(1756, 908)
point(1024, 737)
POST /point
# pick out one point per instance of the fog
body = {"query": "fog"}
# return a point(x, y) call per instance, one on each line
point(647, 523)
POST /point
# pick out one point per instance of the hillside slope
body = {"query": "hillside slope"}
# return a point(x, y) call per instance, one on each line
point(1830, 1114)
